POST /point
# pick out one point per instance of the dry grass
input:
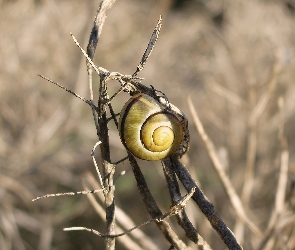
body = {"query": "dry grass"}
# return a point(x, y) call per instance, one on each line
point(239, 74)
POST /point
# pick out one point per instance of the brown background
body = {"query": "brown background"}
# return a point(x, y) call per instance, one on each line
point(220, 53)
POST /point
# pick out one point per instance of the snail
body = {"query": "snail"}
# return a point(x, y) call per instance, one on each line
point(151, 130)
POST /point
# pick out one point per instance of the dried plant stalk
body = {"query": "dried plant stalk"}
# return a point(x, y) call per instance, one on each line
point(101, 122)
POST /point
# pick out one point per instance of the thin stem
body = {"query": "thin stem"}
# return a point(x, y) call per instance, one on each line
point(101, 121)
point(153, 208)
point(205, 205)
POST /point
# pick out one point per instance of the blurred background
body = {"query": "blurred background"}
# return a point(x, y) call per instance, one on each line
point(226, 55)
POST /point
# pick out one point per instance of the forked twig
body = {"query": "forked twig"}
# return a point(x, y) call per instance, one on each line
point(181, 204)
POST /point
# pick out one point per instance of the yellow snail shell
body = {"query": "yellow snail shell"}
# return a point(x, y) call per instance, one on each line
point(147, 130)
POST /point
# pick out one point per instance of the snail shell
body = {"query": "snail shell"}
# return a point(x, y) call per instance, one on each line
point(148, 130)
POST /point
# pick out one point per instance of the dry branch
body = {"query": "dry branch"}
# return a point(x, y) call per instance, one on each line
point(205, 205)
point(101, 122)
point(153, 208)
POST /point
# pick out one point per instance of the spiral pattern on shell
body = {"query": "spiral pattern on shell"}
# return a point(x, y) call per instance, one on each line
point(147, 130)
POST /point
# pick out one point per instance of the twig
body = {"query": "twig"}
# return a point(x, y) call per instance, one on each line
point(68, 193)
point(251, 153)
point(235, 200)
point(153, 208)
point(205, 205)
point(68, 90)
point(172, 211)
point(182, 217)
point(101, 120)
point(252, 137)
point(175, 195)
point(122, 219)
point(98, 23)
point(95, 164)
point(149, 48)
point(108, 167)
point(282, 183)
point(272, 83)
